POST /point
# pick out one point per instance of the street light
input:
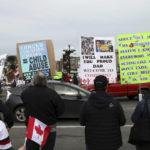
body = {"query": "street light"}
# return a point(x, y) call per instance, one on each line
point(66, 58)
point(69, 49)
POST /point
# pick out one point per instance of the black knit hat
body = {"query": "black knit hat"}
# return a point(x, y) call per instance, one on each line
point(100, 82)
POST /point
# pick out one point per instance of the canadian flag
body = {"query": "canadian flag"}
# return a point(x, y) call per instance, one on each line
point(4, 137)
point(37, 131)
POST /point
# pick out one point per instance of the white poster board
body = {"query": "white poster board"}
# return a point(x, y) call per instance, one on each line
point(2, 63)
point(97, 57)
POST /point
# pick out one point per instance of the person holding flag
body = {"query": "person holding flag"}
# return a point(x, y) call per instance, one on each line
point(43, 106)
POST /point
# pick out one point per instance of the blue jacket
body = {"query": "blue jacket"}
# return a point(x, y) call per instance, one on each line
point(139, 110)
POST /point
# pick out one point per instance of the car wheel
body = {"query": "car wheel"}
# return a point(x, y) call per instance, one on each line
point(19, 114)
point(131, 97)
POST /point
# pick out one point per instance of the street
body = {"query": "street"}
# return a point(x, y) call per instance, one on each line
point(70, 135)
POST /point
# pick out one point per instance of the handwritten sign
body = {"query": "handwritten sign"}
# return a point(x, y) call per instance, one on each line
point(134, 57)
point(97, 58)
point(35, 57)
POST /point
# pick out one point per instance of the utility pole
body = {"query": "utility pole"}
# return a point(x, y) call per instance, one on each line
point(66, 58)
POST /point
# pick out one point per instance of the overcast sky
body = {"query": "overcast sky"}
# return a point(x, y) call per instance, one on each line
point(65, 21)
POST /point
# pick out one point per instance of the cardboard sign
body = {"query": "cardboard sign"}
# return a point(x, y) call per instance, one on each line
point(36, 56)
point(97, 58)
point(134, 58)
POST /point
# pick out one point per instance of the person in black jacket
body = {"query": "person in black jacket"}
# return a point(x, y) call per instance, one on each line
point(6, 117)
point(43, 104)
point(75, 79)
point(138, 112)
point(102, 117)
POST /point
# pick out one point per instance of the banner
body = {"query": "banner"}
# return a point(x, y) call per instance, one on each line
point(97, 57)
point(2, 63)
point(134, 58)
point(37, 56)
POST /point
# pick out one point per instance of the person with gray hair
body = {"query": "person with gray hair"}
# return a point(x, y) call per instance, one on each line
point(45, 105)
point(39, 79)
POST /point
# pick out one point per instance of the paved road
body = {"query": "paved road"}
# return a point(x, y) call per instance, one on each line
point(70, 135)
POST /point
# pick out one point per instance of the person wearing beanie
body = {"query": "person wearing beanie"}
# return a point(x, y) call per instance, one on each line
point(102, 117)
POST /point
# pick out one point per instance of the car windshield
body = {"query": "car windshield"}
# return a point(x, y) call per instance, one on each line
point(65, 90)
point(79, 88)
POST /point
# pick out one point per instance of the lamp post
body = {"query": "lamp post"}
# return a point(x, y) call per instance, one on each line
point(66, 58)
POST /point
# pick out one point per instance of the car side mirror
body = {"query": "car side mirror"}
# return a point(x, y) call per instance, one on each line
point(79, 96)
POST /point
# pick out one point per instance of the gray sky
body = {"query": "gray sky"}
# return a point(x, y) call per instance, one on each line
point(65, 21)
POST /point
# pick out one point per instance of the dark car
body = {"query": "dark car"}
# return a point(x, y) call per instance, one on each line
point(72, 95)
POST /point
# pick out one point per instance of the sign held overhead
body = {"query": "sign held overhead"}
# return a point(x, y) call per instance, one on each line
point(36, 56)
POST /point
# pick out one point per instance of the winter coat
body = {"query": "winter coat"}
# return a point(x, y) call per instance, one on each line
point(42, 103)
point(68, 79)
point(75, 80)
point(138, 112)
point(102, 117)
point(6, 115)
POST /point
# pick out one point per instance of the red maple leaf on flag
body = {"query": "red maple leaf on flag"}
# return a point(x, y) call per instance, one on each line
point(38, 130)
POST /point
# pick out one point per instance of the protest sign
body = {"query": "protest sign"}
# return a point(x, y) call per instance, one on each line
point(97, 57)
point(58, 76)
point(2, 63)
point(134, 58)
point(34, 57)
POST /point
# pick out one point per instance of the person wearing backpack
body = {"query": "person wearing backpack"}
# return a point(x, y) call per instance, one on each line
point(141, 112)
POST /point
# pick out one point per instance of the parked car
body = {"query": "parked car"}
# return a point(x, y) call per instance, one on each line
point(72, 95)
point(117, 89)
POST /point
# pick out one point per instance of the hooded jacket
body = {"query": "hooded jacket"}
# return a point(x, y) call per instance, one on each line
point(102, 117)
point(139, 111)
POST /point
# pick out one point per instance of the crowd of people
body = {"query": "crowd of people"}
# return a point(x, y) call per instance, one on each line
point(67, 78)
point(18, 81)
point(101, 115)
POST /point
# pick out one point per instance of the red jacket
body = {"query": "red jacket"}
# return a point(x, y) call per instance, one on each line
point(67, 79)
